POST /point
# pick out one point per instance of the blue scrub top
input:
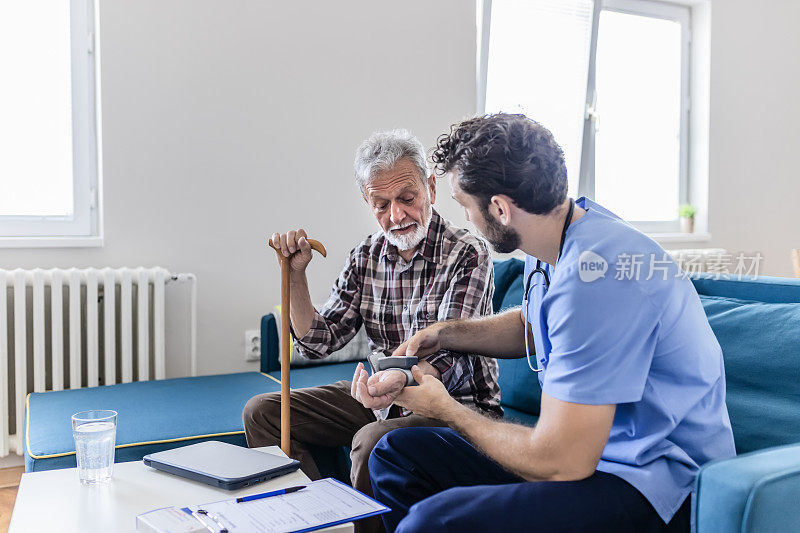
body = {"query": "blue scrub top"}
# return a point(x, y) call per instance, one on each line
point(620, 324)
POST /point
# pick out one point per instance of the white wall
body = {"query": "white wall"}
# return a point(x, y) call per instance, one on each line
point(755, 129)
point(225, 121)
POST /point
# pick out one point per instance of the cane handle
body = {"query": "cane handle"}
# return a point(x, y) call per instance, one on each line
point(315, 245)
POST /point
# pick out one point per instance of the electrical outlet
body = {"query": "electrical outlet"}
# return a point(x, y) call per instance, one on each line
point(252, 345)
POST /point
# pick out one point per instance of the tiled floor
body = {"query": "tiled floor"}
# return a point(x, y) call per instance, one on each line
point(9, 483)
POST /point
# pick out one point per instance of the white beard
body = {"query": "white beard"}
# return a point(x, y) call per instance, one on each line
point(409, 240)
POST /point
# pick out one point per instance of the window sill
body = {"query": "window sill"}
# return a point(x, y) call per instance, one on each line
point(51, 242)
point(679, 237)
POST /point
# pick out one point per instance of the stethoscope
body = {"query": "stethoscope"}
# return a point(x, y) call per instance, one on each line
point(546, 276)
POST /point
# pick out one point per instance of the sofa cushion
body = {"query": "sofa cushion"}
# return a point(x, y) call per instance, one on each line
point(513, 295)
point(356, 349)
point(762, 289)
point(750, 493)
point(152, 415)
point(520, 391)
point(519, 417)
point(519, 386)
point(505, 274)
point(761, 349)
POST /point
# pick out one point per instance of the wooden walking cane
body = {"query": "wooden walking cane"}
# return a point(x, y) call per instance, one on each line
point(285, 320)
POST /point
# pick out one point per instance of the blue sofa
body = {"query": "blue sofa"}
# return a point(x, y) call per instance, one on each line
point(151, 416)
point(757, 323)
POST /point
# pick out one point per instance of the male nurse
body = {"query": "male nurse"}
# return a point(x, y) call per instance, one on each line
point(633, 385)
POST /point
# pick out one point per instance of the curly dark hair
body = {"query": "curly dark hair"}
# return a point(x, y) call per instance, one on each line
point(505, 154)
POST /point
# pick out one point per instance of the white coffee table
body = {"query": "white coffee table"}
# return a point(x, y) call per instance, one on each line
point(55, 500)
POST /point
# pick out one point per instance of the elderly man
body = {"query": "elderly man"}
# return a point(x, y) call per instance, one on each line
point(417, 270)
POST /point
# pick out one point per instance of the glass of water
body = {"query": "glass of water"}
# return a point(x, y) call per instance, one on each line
point(95, 433)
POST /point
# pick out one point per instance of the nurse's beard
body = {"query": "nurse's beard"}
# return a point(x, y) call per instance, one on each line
point(504, 240)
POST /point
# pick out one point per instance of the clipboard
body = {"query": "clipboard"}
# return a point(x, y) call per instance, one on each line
point(322, 503)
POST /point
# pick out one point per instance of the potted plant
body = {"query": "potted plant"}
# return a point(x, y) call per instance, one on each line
point(687, 212)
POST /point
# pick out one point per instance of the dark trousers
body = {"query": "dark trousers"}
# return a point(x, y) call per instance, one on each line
point(326, 416)
point(434, 480)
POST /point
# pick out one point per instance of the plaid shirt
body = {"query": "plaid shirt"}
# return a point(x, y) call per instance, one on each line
point(450, 276)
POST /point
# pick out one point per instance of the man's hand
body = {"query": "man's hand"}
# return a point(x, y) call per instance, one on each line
point(295, 246)
point(379, 390)
point(422, 344)
point(429, 399)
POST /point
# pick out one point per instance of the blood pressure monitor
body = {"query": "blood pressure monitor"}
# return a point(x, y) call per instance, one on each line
point(379, 362)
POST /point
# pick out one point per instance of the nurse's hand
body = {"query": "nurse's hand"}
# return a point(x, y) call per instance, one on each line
point(422, 344)
point(430, 399)
point(379, 390)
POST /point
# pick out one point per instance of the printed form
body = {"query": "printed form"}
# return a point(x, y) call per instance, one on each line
point(322, 503)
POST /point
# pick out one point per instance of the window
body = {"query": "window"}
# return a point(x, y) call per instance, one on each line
point(48, 134)
point(610, 79)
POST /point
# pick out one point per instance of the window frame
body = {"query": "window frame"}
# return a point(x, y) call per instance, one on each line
point(677, 11)
point(83, 228)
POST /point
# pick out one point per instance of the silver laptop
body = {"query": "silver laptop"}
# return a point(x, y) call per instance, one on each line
point(220, 464)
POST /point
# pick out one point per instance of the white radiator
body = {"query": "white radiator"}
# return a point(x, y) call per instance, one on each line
point(82, 318)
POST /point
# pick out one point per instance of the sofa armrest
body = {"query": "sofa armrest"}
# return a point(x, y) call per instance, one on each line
point(754, 492)
point(270, 344)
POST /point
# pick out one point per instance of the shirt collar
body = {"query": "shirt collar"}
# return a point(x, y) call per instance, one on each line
point(590, 205)
point(431, 246)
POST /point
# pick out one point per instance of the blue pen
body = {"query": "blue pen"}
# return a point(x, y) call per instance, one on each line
point(268, 494)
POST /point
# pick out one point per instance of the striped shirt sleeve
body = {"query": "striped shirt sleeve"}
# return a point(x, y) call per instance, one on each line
point(339, 319)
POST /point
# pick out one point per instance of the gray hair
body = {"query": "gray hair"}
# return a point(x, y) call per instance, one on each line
point(381, 152)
